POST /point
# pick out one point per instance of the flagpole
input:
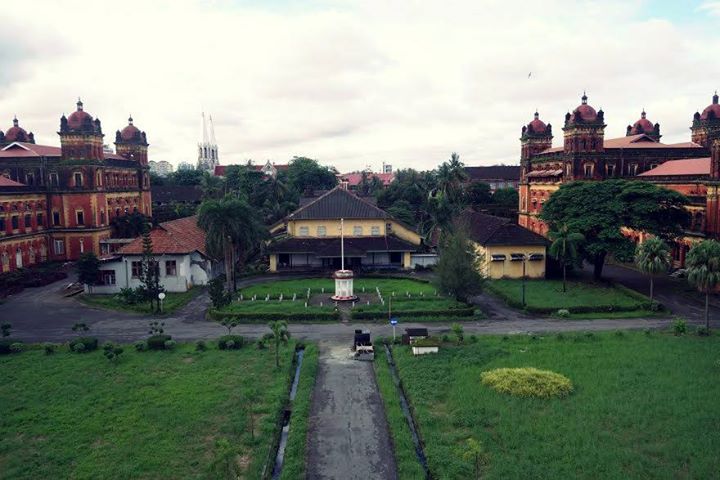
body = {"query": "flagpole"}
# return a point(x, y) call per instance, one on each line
point(342, 244)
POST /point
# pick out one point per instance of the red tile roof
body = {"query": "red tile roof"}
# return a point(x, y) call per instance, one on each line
point(354, 179)
point(22, 149)
point(175, 237)
point(6, 182)
point(690, 166)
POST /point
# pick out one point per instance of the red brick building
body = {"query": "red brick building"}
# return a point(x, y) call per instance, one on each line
point(692, 168)
point(57, 202)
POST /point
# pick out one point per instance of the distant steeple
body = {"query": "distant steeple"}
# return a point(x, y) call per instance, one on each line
point(207, 149)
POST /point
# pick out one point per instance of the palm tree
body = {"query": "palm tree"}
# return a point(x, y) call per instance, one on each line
point(703, 267)
point(229, 224)
point(280, 334)
point(564, 248)
point(652, 257)
point(211, 186)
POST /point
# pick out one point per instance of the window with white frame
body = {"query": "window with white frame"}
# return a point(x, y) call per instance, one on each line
point(375, 231)
point(357, 231)
point(107, 277)
point(303, 232)
point(170, 268)
point(59, 247)
point(321, 231)
point(136, 269)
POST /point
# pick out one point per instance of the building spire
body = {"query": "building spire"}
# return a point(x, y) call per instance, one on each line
point(212, 132)
point(204, 128)
point(584, 98)
point(715, 98)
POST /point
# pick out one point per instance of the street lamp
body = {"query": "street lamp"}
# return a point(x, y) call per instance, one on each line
point(161, 296)
point(524, 258)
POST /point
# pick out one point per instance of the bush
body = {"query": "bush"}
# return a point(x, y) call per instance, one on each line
point(111, 352)
point(88, 344)
point(16, 347)
point(560, 336)
point(261, 344)
point(527, 382)
point(170, 344)
point(563, 313)
point(5, 346)
point(157, 342)
point(619, 333)
point(448, 312)
point(426, 342)
point(231, 342)
point(458, 331)
point(679, 327)
point(200, 346)
point(702, 331)
point(49, 348)
point(446, 338)
point(473, 339)
point(219, 316)
point(131, 296)
point(140, 345)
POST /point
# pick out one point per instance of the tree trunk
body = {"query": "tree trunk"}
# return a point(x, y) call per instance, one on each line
point(564, 277)
point(707, 311)
point(598, 264)
point(228, 271)
point(651, 288)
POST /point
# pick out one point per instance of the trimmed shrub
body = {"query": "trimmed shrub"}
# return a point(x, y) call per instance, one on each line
point(563, 313)
point(5, 346)
point(157, 342)
point(527, 382)
point(49, 348)
point(200, 346)
point(473, 339)
point(170, 344)
point(230, 342)
point(446, 338)
point(702, 331)
point(16, 347)
point(248, 317)
point(88, 344)
point(140, 345)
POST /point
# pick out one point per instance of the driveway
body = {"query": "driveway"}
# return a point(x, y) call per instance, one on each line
point(348, 436)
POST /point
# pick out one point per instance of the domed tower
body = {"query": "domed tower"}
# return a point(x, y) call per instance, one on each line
point(706, 125)
point(131, 143)
point(584, 138)
point(81, 136)
point(644, 126)
point(536, 137)
point(16, 134)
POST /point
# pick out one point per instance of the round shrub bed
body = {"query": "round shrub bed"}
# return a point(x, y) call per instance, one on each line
point(527, 382)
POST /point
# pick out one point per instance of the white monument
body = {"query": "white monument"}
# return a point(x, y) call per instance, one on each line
point(343, 278)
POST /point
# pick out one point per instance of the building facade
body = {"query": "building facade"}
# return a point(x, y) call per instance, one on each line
point(309, 238)
point(162, 168)
point(693, 167)
point(57, 202)
point(497, 176)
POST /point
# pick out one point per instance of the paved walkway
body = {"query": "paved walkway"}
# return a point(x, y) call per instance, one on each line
point(348, 436)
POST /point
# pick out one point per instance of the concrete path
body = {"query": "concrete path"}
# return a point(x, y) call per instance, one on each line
point(348, 436)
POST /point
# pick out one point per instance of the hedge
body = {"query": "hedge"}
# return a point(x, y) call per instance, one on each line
point(91, 343)
point(237, 342)
point(248, 317)
point(157, 342)
point(5, 346)
point(452, 312)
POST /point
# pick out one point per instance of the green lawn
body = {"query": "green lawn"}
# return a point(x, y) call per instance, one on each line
point(548, 294)
point(179, 414)
point(171, 303)
point(299, 287)
point(644, 406)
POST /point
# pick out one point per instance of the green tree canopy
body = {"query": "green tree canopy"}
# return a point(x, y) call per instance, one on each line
point(565, 248)
point(458, 270)
point(652, 257)
point(478, 194)
point(599, 210)
point(703, 266)
point(88, 269)
point(305, 174)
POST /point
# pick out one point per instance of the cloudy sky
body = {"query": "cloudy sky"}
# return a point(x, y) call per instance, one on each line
point(355, 82)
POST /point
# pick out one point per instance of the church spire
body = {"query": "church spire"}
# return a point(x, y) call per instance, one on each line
point(207, 149)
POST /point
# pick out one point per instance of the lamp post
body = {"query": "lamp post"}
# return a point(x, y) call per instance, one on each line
point(161, 296)
point(524, 257)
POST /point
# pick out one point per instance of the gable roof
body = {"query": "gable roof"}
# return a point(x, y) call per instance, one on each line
point(6, 182)
point(690, 166)
point(22, 149)
point(171, 238)
point(354, 179)
point(491, 230)
point(338, 203)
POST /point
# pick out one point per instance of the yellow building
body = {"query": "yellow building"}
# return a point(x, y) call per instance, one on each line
point(509, 250)
point(309, 238)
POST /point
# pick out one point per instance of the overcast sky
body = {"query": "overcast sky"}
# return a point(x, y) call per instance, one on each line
point(355, 83)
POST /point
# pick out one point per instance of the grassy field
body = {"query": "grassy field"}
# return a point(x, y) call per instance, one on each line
point(300, 287)
point(644, 406)
point(294, 466)
point(171, 303)
point(549, 294)
point(178, 414)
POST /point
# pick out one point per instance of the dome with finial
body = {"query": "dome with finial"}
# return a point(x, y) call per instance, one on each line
point(16, 133)
point(79, 118)
point(584, 111)
point(130, 132)
point(712, 111)
point(536, 125)
point(642, 126)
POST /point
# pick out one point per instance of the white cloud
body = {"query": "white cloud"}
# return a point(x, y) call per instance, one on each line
point(712, 8)
point(353, 82)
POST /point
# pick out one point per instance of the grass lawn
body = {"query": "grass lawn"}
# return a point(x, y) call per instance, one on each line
point(178, 414)
point(171, 303)
point(300, 287)
point(644, 406)
point(548, 294)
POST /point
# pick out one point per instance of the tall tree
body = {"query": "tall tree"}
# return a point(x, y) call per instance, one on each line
point(150, 276)
point(565, 248)
point(703, 267)
point(230, 225)
point(652, 257)
point(307, 175)
point(599, 210)
point(478, 194)
point(212, 186)
point(458, 269)
point(280, 335)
